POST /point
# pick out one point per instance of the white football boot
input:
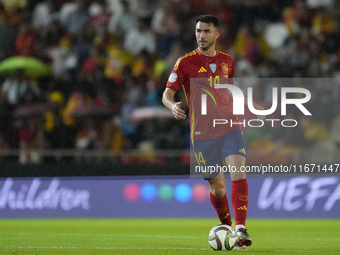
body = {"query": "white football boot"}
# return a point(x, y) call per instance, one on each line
point(243, 239)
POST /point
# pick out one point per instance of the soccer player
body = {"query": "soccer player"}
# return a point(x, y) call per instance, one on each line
point(222, 144)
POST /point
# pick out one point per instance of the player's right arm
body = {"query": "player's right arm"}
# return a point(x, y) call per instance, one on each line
point(176, 79)
point(169, 101)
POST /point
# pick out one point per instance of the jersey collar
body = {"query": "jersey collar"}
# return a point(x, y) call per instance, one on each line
point(199, 53)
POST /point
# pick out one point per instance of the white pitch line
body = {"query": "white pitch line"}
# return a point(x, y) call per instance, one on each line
point(139, 248)
point(144, 236)
point(100, 248)
point(290, 251)
point(110, 235)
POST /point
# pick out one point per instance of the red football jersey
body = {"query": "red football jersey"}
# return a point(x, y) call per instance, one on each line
point(197, 74)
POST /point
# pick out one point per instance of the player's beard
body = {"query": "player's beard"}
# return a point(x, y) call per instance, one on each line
point(207, 47)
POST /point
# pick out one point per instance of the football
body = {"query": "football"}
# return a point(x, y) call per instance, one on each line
point(222, 238)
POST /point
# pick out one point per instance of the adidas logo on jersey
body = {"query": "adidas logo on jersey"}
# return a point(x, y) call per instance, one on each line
point(242, 150)
point(202, 70)
point(242, 208)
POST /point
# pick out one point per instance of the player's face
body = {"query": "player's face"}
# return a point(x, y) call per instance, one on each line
point(206, 35)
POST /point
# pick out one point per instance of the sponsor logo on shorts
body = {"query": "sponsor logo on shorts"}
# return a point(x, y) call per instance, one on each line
point(242, 151)
point(206, 174)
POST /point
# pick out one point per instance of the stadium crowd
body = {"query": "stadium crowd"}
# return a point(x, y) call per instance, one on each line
point(109, 58)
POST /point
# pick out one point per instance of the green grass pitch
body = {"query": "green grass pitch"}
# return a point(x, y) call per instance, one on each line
point(161, 236)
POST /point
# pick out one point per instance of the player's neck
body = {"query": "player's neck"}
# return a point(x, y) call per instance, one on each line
point(211, 52)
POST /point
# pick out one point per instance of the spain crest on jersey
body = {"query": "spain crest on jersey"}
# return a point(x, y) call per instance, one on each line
point(225, 69)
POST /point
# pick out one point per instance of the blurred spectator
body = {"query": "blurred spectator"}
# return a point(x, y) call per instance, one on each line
point(99, 133)
point(291, 138)
point(77, 19)
point(60, 136)
point(53, 34)
point(102, 40)
point(166, 24)
point(223, 10)
point(24, 44)
point(140, 38)
point(142, 64)
point(45, 13)
point(108, 93)
point(56, 97)
point(87, 137)
point(146, 8)
point(226, 40)
point(261, 138)
point(63, 58)
point(319, 3)
point(173, 56)
point(18, 89)
point(9, 4)
point(31, 137)
point(133, 99)
point(151, 94)
point(297, 15)
point(314, 131)
point(96, 58)
point(323, 22)
point(66, 9)
point(112, 136)
point(79, 99)
point(117, 61)
point(3, 141)
point(8, 38)
point(158, 17)
point(102, 16)
point(123, 20)
point(251, 45)
point(334, 131)
point(83, 45)
point(170, 135)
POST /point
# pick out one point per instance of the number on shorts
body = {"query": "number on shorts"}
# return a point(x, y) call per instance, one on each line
point(200, 158)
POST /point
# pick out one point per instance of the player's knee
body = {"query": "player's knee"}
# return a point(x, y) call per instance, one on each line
point(218, 191)
point(239, 175)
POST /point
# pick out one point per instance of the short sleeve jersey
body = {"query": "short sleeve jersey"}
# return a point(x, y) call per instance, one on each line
point(211, 70)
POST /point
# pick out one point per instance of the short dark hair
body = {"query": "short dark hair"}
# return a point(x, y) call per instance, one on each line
point(206, 18)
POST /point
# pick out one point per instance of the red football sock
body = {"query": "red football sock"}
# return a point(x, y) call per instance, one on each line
point(239, 199)
point(222, 208)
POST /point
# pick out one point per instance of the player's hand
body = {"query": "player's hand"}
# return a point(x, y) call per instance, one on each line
point(177, 112)
point(260, 117)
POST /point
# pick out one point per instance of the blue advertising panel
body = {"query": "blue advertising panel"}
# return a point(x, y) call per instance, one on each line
point(172, 196)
